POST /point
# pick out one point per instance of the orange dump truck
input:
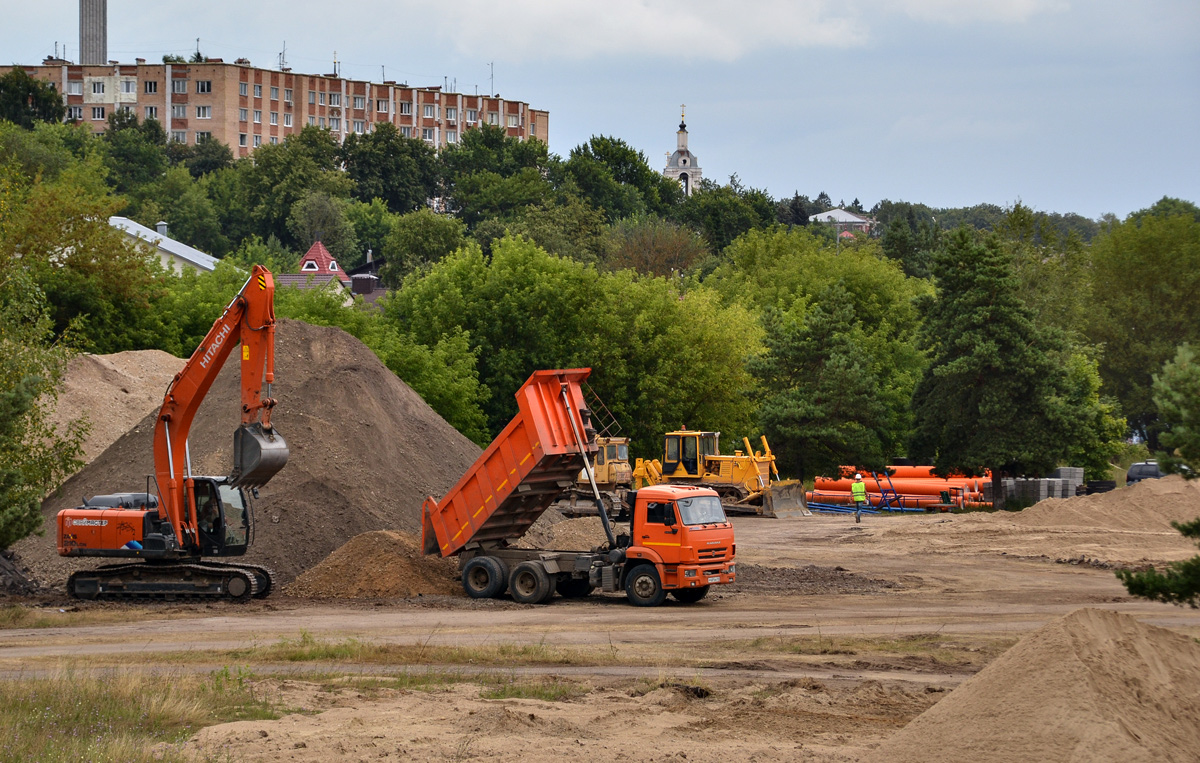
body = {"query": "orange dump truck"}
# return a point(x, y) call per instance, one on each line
point(678, 540)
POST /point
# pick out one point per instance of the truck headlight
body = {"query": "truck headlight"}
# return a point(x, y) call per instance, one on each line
point(689, 573)
point(732, 569)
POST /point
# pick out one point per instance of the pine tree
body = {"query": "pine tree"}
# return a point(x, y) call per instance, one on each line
point(993, 394)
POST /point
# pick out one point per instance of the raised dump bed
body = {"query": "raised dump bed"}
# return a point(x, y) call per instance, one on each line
point(526, 467)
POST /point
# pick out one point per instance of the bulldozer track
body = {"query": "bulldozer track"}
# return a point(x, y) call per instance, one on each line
point(172, 582)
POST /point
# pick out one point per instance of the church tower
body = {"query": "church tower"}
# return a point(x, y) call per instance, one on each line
point(682, 166)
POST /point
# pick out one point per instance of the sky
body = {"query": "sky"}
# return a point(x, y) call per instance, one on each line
point(1090, 107)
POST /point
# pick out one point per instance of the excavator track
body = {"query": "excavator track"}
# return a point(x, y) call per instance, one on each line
point(171, 581)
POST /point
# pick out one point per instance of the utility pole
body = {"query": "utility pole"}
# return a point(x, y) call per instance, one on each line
point(492, 77)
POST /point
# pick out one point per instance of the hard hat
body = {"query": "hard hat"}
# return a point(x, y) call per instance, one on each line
point(858, 476)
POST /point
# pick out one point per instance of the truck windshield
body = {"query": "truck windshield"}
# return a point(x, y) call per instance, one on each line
point(701, 510)
point(235, 516)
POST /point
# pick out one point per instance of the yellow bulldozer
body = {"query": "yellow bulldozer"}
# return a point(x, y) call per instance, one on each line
point(743, 480)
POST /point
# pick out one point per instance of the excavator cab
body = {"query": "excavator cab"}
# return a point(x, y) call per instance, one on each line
point(222, 517)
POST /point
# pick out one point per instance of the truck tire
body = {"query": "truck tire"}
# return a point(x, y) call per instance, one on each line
point(529, 583)
point(643, 587)
point(573, 588)
point(483, 577)
point(690, 595)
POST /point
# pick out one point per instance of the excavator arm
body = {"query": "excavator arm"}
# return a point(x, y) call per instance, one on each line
point(259, 452)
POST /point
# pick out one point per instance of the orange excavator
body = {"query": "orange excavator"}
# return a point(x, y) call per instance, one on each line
point(169, 534)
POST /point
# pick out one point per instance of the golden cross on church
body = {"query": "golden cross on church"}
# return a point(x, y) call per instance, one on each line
point(682, 111)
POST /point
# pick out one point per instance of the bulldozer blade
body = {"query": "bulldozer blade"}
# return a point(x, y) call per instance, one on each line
point(257, 455)
point(785, 500)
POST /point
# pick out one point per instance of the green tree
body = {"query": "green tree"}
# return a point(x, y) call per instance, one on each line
point(489, 149)
point(25, 100)
point(1145, 278)
point(383, 164)
point(569, 227)
point(484, 195)
point(820, 401)
point(208, 156)
point(1177, 395)
point(34, 455)
point(417, 240)
point(1178, 584)
point(373, 223)
point(653, 246)
point(991, 397)
point(132, 156)
point(318, 216)
point(627, 167)
point(725, 212)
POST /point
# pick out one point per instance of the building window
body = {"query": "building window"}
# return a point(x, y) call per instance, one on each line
point(335, 123)
point(179, 86)
point(274, 117)
point(179, 111)
point(309, 265)
point(203, 136)
point(258, 91)
point(97, 88)
point(204, 112)
point(128, 86)
point(312, 97)
point(74, 113)
point(203, 86)
point(452, 115)
point(257, 141)
point(150, 87)
point(532, 126)
point(287, 120)
point(312, 121)
point(360, 102)
point(428, 112)
point(321, 98)
point(427, 133)
point(287, 95)
point(512, 120)
point(257, 117)
point(274, 140)
point(242, 139)
point(472, 116)
point(274, 93)
point(179, 136)
point(243, 88)
point(381, 106)
point(493, 118)
point(75, 87)
point(321, 122)
point(359, 126)
point(242, 115)
point(151, 112)
point(406, 132)
point(406, 107)
point(451, 136)
point(335, 99)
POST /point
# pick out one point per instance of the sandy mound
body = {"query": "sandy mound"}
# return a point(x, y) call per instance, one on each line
point(1150, 505)
point(113, 392)
point(365, 452)
point(553, 532)
point(379, 565)
point(1095, 685)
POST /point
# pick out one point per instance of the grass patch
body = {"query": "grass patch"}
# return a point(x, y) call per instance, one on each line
point(935, 647)
point(118, 716)
point(547, 689)
point(21, 616)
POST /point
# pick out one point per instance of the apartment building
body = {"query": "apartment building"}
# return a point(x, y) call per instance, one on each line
point(245, 106)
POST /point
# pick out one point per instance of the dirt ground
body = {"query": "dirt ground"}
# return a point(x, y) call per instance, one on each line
point(834, 639)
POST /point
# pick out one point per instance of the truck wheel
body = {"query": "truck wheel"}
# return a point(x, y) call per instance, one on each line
point(690, 595)
point(529, 583)
point(643, 587)
point(483, 577)
point(573, 588)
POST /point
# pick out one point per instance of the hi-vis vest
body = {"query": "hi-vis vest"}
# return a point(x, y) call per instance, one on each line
point(859, 491)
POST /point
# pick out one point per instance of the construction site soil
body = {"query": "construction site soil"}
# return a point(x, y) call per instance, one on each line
point(365, 452)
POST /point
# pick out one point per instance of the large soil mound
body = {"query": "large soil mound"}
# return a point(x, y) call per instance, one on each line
point(365, 451)
point(1095, 685)
point(1150, 505)
point(381, 564)
point(113, 392)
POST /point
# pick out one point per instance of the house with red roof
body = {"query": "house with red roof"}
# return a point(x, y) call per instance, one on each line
point(318, 269)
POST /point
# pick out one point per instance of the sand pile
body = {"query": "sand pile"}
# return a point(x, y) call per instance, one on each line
point(553, 532)
point(1150, 505)
point(113, 392)
point(1095, 685)
point(379, 565)
point(365, 452)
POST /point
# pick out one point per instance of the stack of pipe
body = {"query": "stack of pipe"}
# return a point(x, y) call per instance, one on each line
point(916, 488)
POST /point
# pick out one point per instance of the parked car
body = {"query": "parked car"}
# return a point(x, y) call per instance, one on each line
point(1142, 470)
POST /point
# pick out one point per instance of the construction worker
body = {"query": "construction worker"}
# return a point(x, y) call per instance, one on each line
point(859, 492)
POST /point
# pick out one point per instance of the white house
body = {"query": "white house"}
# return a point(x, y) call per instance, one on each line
point(173, 254)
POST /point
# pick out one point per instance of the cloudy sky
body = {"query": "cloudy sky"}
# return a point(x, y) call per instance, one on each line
point(1087, 106)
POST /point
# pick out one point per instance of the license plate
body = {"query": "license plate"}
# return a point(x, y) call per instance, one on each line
point(714, 579)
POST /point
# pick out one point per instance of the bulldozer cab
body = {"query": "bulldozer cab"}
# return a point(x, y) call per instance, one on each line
point(222, 517)
point(686, 450)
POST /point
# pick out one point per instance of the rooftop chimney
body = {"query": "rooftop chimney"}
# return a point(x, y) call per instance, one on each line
point(161, 227)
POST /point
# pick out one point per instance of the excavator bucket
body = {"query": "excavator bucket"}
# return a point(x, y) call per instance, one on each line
point(257, 455)
point(785, 500)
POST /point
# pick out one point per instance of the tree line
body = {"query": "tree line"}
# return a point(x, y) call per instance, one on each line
point(980, 338)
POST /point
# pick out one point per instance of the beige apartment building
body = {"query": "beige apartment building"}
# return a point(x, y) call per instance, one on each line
point(244, 106)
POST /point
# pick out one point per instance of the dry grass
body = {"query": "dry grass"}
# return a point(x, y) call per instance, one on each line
point(14, 616)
